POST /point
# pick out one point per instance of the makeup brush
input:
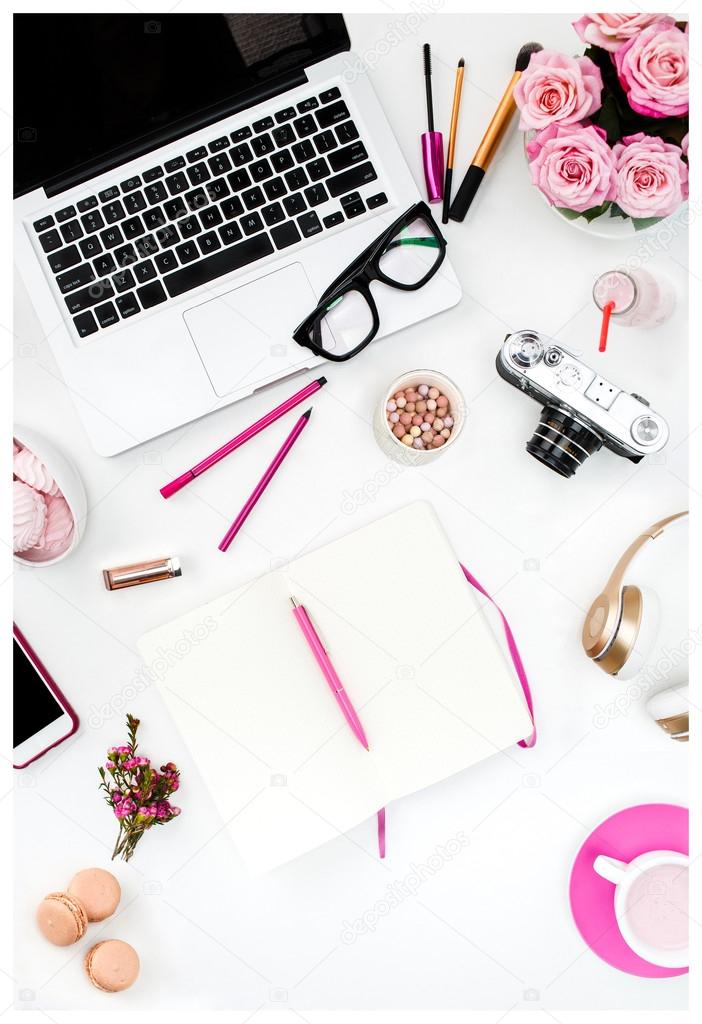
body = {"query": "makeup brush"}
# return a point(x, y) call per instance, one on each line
point(492, 137)
point(432, 142)
point(457, 89)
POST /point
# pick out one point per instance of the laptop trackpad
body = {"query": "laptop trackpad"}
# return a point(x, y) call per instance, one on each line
point(244, 336)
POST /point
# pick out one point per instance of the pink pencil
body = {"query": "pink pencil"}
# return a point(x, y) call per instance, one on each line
point(210, 460)
point(264, 481)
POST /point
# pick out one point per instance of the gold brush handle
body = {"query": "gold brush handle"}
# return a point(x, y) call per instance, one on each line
point(497, 127)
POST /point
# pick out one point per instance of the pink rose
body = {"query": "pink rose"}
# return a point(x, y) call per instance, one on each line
point(653, 69)
point(685, 144)
point(651, 176)
point(555, 89)
point(573, 167)
point(612, 31)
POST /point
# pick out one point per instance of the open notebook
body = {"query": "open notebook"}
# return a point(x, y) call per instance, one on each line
point(427, 677)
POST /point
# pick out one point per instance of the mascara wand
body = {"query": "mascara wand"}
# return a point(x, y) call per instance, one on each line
point(432, 142)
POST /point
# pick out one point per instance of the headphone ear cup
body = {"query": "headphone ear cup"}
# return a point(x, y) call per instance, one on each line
point(647, 633)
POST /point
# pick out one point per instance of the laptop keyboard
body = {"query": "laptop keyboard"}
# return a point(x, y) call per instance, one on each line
point(208, 212)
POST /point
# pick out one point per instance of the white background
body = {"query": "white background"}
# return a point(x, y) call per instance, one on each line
point(492, 928)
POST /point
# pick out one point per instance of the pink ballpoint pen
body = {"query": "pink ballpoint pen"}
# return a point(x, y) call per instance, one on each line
point(231, 446)
point(264, 481)
point(328, 671)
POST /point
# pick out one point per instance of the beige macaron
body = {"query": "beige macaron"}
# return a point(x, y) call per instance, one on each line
point(112, 965)
point(98, 891)
point(62, 918)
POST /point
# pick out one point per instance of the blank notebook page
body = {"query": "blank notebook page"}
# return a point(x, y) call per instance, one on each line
point(434, 692)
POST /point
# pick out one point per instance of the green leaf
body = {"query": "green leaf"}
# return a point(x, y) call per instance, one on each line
point(616, 211)
point(607, 118)
point(644, 222)
point(596, 211)
point(568, 214)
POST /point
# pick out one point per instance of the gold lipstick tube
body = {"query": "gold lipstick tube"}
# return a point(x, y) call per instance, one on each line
point(141, 572)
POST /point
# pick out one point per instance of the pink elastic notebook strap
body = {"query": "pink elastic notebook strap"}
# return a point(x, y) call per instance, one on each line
point(521, 675)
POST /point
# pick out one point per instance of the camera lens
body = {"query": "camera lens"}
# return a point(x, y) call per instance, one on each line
point(561, 441)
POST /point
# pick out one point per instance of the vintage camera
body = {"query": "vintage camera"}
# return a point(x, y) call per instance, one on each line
point(582, 411)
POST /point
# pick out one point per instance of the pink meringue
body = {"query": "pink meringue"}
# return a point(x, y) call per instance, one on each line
point(58, 528)
point(15, 448)
point(29, 516)
point(31, 470)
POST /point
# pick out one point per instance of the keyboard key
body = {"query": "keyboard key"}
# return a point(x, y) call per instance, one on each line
point(189, 227)
point(262, 145)
point(232, 207)
point(175, 208)
point(156, 193)
point(309, 224)
point(44, 223)
point(325, 141)
point(155, 218)
point(303, 151)
point(196, 154)
point(71, 231)
point(211, 217)
point(260, 169)
point(196, 199)
point(316, 194)
point(296, 179)
point(134, 202)
point(330, 94)
point(229, 233)
point(123, 280)
point(305, 126)
point(282, 161)
point(353, 207)
point(153, 173)
point(273, 214)
point(75, 278)
point(285, 235)
point(50, 240)
point(317, 169)
point(85, 324)
point(151, 294)
point(333, 219)
point(147, 246)
point(310, 104)
point(104, 265)
point(113, 212)
point(377, 200)
point(241, 154)
point(89, 203)
point(347, 156)
point(131, 183)
point(144, 271)
point(92, 221)
point(111, 237)
point(106, 314)
point(96, 292)
point(263, 125)
point(219, 144)
point(218, 189)
point(251, 224)
point(346, 132)
point(108, 194)
point(253, 198)
point(285, 115)
point(175, 164)
point(198, 173)
point(166, 261)
point(177, 183)
point(133, 227)
point(209, 243)
point(219, 164)
point(168, 236)
point(330, 115)
point(240, 134)
point(274, 188)
point(223, 262)
point(295, 204)
point(64, 258)
point(187, 252)
point(239, 180)
point(90, 246)
point(127, 305)
point(284, 136)
point(349, 180)
point(125, 255)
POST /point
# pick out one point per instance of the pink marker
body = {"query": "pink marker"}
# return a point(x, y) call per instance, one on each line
point(328, 671)
point(175, 485)
point(264, 481)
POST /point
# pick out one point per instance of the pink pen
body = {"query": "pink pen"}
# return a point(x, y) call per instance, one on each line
point(210, 460)
point(264, 481)
point(328, 671)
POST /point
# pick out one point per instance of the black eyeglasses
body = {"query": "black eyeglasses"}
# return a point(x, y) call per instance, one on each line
point(406, 256)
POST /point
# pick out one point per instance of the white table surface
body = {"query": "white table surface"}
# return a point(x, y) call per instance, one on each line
point(492, 927)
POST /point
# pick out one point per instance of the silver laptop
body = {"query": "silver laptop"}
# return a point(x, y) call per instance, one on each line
point(186, 188)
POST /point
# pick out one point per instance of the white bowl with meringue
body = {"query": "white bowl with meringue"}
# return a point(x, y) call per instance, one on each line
point(49, 501)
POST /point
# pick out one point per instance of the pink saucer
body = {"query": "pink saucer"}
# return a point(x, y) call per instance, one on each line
point(625, 835)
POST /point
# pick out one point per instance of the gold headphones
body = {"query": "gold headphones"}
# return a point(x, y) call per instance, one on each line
point(613, 624)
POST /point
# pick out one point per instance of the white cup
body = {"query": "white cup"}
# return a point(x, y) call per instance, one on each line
point(646, 913)
point(392, 445)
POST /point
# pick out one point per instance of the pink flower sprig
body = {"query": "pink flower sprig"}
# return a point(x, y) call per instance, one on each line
point(136, 792)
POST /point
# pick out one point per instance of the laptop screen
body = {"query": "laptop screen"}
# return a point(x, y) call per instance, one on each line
point(92, 89)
